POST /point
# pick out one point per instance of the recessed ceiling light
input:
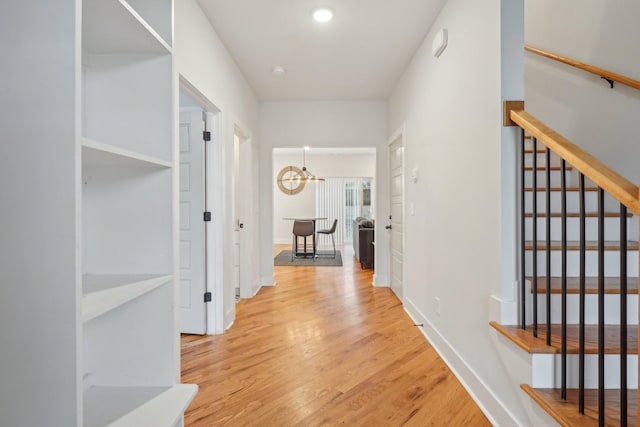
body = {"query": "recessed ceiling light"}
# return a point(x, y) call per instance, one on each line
point(323, 14)
point(278, 70)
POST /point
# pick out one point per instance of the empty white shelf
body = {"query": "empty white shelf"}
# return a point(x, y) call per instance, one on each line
point(99, 154)
point(102, 293)
point(133, 35)
point(136, 406)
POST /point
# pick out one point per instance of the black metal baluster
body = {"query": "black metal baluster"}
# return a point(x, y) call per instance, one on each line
point(523, 314)
point(548, 243)
point(563, 180)
point(623, 315)
point(601, 400)
point(583, 264)
point(534, 239)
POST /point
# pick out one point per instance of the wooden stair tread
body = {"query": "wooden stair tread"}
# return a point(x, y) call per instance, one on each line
point(611, 285)
point(565, 412)
point(569, 189)
point(525, 339)
point(530, 151)
point(574, 245)
point(576, 215)
point(544, 168)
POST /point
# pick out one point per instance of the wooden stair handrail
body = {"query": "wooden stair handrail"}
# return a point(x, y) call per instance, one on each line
point(586, 67)
point(609, 180)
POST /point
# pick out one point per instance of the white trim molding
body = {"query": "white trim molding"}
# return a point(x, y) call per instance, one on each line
point(492, 407)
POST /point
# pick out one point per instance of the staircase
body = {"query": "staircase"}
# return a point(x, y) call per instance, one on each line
point(552, 379)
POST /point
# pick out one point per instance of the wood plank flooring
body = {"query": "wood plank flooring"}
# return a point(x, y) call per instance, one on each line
point(322, 348)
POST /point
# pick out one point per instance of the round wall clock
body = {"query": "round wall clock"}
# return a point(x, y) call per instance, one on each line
point(290, 187)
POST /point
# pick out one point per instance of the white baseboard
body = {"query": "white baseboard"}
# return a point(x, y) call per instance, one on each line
point(256, 289)
point(267, 281)
point(229, 317)
point(487, 401)
point(376, 283)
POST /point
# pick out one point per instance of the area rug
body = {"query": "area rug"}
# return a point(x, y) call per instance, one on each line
point(324, 259)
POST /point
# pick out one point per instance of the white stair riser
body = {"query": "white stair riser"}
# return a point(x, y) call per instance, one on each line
point(611, 309)
point(541, 158)
point(556, 160)
point(541, 176)
point(611, 263)
point(546, 371)
point(611, 229)
point(528, 144)
point(573, 200)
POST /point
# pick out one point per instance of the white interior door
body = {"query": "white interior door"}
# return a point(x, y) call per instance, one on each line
point(192, 227)
point(245, 219)
point(396, 191)
point(243, 243)
point(238, 225)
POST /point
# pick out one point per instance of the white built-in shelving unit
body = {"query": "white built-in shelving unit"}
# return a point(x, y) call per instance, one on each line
point(104, 349)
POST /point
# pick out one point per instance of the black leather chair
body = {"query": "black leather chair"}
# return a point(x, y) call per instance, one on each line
point(303, 229)
point(363, 237)
point(329, 232)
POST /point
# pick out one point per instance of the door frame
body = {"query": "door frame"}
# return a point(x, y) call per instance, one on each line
point(242, 201)
point(213, 202)
point(398, 135)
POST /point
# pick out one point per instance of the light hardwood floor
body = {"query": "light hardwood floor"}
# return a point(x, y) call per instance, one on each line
point(322, 347)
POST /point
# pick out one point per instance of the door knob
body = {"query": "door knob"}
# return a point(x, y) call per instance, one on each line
point(241, 225)
point(388, 227)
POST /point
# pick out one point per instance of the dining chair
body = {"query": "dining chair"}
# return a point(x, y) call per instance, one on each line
point(329, 232)
point(303, 229)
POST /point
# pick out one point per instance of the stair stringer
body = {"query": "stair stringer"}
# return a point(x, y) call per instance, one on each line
point(518, 364)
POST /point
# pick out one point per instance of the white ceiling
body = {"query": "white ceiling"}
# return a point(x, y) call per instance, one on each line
point(358, 56)
point(324, 151)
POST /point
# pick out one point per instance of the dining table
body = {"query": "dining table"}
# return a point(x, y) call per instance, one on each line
point(313, 220)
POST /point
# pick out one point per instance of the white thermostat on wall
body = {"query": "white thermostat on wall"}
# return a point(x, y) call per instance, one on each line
point(439, 43)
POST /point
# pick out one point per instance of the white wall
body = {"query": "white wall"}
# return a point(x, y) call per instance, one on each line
point(451, 108)
point(577, 104)
point(317, 124)
point(303, 204)
point(40, 267)
point(204, 62)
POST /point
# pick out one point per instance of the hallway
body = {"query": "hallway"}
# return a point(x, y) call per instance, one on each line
point(323, 347)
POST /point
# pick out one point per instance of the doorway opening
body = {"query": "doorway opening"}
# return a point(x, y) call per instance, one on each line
point(397, 214)
point(200, 288)
point(245, 214)
point(347, 192)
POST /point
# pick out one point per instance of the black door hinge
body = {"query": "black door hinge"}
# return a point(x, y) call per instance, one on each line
point(206, 135)
point(207, 216)
point(207, 297)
